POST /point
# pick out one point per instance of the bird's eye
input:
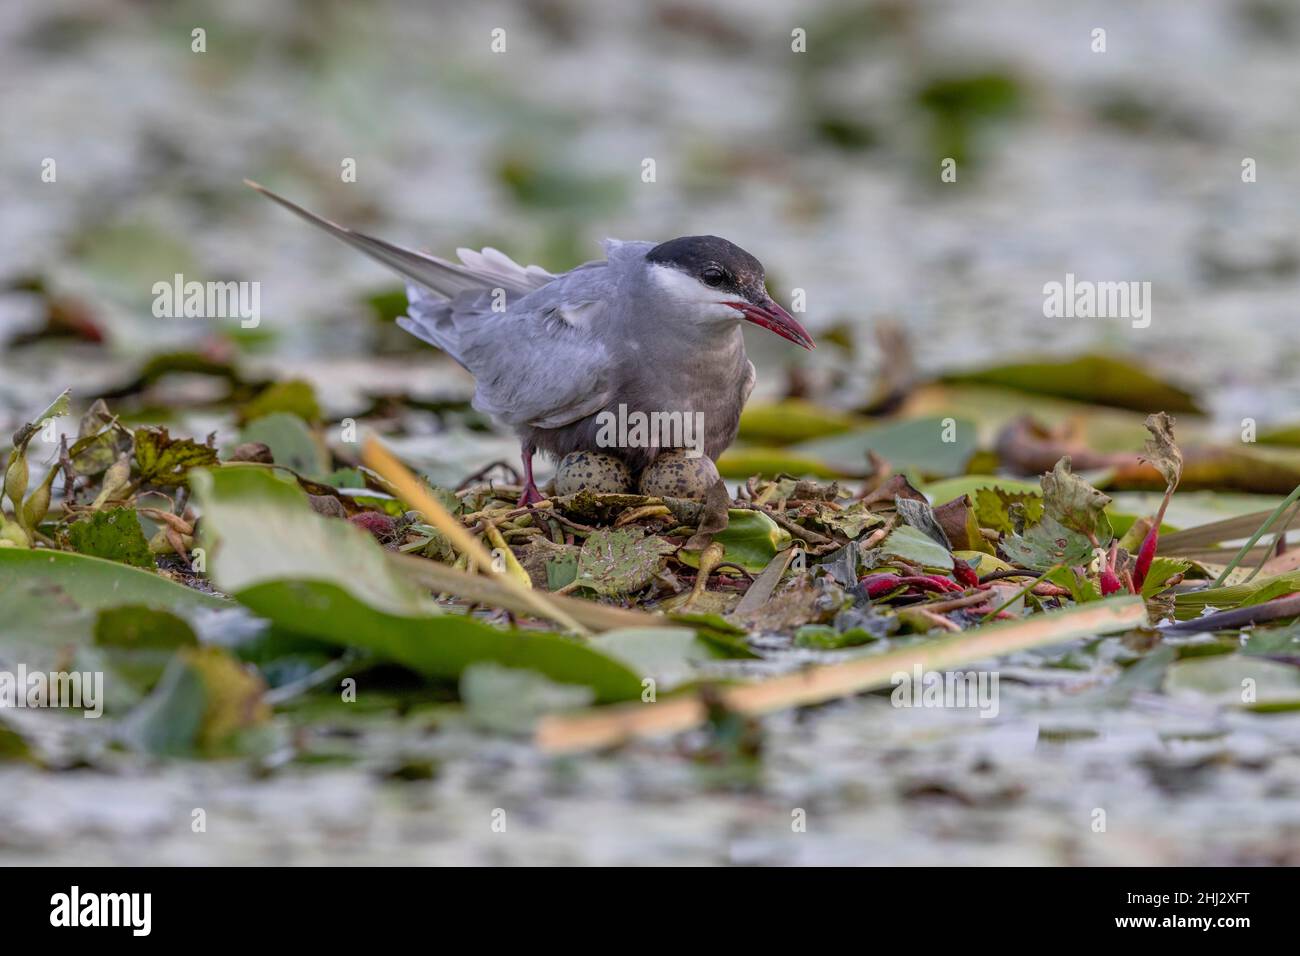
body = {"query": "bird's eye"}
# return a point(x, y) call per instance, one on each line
point(713, 276)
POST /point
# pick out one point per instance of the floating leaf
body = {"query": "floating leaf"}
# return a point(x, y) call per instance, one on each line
point(741, 462)
point(666, 655)
point(941, 492)
point(292, 443)
point(294, 397)
point(937, 447)
point(204, 700)
point(323, 578)
point(510, 701)
point(793, 420)
point(1236, 681)
point(1101, 379)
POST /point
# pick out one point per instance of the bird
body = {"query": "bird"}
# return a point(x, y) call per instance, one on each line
point(653, 327)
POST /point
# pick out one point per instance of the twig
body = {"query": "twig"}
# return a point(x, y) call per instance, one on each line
point(606, 726)
point(938, 620)
point(955, 604)
point(414, 492)
point(1021, 593)
point(798, 530)
point(443, 579)
point(1238, 617)
point(1009, 573)
point(482, 473)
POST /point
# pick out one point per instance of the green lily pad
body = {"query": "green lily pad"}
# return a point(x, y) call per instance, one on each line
point(292, 443)
point(918, 444)
point(295, 397)
point(751, 539)
point(53, 605)
point(1237, 680)
point(793, 420)
point(1101, 379)
point(941, 492)
point(510, 701)
point(667, 655)
point(205, 701)
point(322, 578)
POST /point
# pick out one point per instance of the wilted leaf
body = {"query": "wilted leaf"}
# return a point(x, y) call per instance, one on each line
point(1046, 544)
point(1074, 503)
point(620, 560)
point(957, 520)
point(165, 461)
point(1161, 450)
point(919, 515)
point(850, 520)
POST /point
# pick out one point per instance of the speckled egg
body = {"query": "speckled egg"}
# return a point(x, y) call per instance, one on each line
point(673, 475)
point(592, 471)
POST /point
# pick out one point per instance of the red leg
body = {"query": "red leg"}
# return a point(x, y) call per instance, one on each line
point(531, 495)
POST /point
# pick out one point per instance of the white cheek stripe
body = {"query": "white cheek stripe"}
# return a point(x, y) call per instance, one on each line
point(684, 288)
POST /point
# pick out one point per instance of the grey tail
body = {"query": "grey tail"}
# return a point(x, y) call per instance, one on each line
point(435, 274)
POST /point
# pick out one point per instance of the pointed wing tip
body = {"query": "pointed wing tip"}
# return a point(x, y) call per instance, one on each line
point(252, 185)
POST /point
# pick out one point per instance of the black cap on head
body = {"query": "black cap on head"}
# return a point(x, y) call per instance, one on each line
point(716, 262)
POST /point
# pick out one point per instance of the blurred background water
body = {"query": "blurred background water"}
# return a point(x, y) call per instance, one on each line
point(1123, 165)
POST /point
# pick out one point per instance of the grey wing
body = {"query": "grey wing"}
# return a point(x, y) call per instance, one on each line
point(542, 361)
point(747, 386)
point(532, 340)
